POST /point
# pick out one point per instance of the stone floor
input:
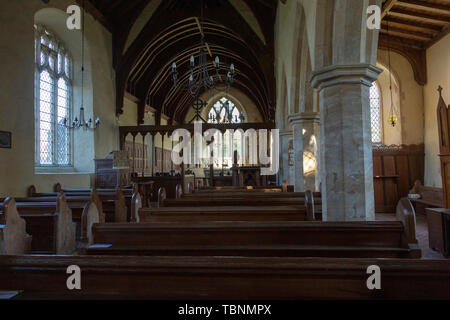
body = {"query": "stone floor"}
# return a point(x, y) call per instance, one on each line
point(421, 234)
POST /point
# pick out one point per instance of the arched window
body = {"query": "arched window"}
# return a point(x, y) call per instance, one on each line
point(375, 114)
point(53, 103)
point(225, 111)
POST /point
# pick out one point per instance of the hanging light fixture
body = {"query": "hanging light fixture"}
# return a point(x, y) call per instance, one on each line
point(81, 122)
point(393, 120)
point(201, 78)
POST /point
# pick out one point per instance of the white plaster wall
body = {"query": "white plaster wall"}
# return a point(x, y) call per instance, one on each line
point(408, 99)
point(438, 62)
point(17, 98)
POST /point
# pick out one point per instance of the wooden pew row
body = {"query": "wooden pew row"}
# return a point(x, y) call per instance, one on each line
point(238, 238)
point(39, 212)
point(224, 213)
point(247, 194)
point(50, 225)
point(42, 220)
point(112, 202)
point(223, 278)
point(233, 201)
point(14, 239)
point(302, 200)
point(232, 188)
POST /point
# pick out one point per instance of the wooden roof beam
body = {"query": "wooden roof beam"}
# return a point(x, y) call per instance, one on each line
point(439, 19)
point(402, 33)
point(424, 26)
point(97, 14)
point(426, 5)
point(387, 7)
point(444, 32)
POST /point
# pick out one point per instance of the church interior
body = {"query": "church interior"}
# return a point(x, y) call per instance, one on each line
point(224, 149)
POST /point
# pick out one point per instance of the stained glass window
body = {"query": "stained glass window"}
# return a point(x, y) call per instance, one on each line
point(375, 114)
point(53, 100)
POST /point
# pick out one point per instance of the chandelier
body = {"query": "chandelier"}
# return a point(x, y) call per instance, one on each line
point(393, 113)
point(199, 76)
point(81, 122)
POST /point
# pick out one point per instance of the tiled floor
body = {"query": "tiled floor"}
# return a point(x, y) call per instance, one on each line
point(421, 234)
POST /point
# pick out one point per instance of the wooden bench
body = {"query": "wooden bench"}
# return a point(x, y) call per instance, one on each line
point(222, 213)
point(228, 278)
point(14, 239)
point(50, 225)
point(329, 239)
point(311, 201)
point(111, 202)
point(41, 216)
point(233, 201)
point(430, 197)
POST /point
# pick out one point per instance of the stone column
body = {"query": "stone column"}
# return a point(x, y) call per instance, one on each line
point(297, 130)
point(311, 133)
point(285, 137)
point(346, 146)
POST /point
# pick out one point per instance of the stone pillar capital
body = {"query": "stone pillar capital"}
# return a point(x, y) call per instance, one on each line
point(362, 73)
point(299, 118)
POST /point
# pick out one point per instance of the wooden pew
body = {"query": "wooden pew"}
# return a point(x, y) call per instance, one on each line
point(234, 201)
point(237, 238)
point(430, 197)
point(50, 224)
point(38, 206)
point(14, 239)
point(222, 213)
point(227, 278)
point(112, 202)
point(91, 216)
point(136, 205)
point(247, 194)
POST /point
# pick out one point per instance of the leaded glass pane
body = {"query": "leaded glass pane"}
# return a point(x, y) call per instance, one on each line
point(53, 101)
point(375, 114)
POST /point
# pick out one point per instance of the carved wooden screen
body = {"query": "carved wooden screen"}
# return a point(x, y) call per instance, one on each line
point(444, 147)
point(140, 161)
point(395, 169)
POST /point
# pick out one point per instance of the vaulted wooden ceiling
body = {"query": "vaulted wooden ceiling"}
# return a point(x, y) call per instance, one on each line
point(173, 34)
point(409, 27)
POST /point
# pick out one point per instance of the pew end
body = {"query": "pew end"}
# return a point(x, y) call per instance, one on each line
point(120, 207)
point(65, 228)
point(136, 206)
point(31, 191)
point(162, 196)
point(406, 214)
point(178, 191)
point(309, 204)
point(89, 217)
point(57, 188)
point(95, 198)
point(14, 239)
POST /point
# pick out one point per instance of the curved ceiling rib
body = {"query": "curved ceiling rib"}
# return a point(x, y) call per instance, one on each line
point(173, 33)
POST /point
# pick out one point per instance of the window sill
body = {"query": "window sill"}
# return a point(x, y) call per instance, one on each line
point(59, 171)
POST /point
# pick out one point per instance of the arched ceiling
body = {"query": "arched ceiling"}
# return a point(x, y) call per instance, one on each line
point(173, 33)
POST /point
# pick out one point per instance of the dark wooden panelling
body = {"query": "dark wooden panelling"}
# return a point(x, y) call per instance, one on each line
point(395, 169)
